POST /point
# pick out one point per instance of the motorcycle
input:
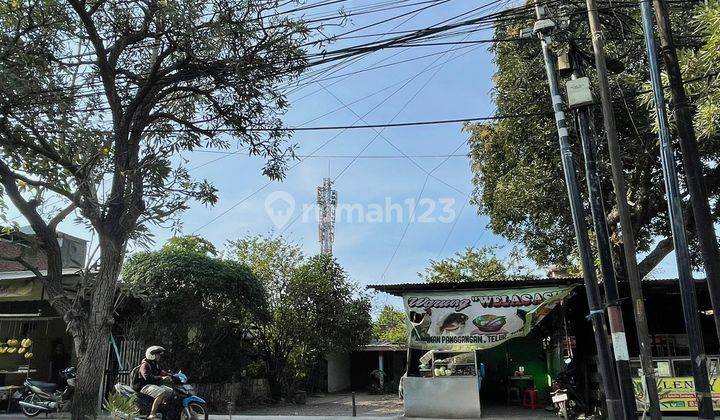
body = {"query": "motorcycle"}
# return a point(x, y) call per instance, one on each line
point(567, 401)
point(565, 407)
point(45, 397)
point(183, 405)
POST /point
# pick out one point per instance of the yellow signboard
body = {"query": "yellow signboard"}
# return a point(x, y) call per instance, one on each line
point(677, 393)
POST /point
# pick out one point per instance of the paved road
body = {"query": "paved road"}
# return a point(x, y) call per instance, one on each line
point(234, 417)
point(536, 415)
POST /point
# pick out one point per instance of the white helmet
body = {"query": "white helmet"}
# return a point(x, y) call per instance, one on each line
point(152, 351)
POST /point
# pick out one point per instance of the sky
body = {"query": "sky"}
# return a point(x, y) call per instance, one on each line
point(376, 240)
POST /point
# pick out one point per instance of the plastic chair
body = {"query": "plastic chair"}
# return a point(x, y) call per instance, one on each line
point(530, 398)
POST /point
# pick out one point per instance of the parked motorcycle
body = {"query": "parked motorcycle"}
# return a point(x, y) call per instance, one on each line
point(566, 398)
point(565, 407)
point(45, 397)
point(183, 405)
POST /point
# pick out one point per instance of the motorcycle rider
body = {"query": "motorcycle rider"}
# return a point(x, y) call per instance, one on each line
point(150, 379)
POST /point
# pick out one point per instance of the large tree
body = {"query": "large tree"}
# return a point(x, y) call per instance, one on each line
point(198, 307)
point(516, 161)
point(390, 326)
point(100, 98)
point(313, 309)
point(476, 264)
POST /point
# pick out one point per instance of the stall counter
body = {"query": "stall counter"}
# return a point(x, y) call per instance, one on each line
point(442, 397)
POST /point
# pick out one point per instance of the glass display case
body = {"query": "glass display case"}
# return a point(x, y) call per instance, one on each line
point(450, 374)
point(453, 364)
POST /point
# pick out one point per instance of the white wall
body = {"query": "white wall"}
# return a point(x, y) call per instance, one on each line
point(338, 368)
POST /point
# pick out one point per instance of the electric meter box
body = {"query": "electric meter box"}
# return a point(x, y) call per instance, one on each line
point(578, 92)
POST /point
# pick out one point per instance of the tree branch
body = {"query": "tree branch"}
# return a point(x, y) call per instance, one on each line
point(47, 237)
point(662, 249)
point(55, 221)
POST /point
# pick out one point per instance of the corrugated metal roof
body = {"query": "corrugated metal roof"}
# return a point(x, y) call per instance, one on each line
point(383, 346)
point(20, 275)
point(399, 289)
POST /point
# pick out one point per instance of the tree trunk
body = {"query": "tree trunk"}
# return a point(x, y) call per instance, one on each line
point(91, 336)
point(275, 380)
point(90, 370)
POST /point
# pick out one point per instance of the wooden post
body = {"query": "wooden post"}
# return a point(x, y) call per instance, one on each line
point(353, 405)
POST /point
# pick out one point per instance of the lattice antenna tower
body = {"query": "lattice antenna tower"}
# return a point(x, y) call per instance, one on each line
point(327, 202)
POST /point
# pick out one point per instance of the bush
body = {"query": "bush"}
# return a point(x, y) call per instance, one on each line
point(121, 407)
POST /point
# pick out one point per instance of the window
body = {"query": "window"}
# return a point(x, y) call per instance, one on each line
point(669, 345)
point(636, 369)
point(713, 367)
point(682, 367)
point(662, 367)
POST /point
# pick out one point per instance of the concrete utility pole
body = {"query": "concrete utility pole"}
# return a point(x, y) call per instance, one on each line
point(691, 160)
point(597, 314)
point(628, 236)
point(327, 201)
point(583, 96)
point(682, 255)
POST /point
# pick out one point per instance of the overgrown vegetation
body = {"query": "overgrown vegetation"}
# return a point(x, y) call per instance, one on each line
point(268, 311)
point(390, 326)
point(477, 264)
point(313, 308)
point(197, 306)
point(516, 161)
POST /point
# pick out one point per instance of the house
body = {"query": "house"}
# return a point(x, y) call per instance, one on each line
point(25, 311)
point(353, 371)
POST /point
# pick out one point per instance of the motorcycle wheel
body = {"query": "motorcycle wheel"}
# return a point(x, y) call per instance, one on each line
point(30, 412)
point(197, 411)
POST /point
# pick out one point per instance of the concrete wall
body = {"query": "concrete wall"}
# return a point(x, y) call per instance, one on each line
point(338, 368)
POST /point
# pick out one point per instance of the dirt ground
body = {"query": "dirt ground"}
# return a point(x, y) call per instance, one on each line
point(376, 406)
point(335, 405)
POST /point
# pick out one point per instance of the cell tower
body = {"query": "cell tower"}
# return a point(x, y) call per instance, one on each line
point(327, 201)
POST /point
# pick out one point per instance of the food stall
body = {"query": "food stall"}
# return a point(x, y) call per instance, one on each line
point(448, 329)
point(449, 384)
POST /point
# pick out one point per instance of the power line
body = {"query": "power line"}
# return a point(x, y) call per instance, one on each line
point(403, 156)
point(379, 133)
point(337, 127)
point(366, 48)
point(360, 118)
point(407, 225)
point(255, 192)
point(337, 109)
point(455, 222)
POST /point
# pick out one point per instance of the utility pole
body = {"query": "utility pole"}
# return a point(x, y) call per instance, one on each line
point(628, 236)
point(597, 314)
point(327, 201)
point(682, 255)
point(691, 160)
point(584, 99)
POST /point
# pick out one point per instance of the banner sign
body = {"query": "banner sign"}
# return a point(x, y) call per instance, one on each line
point(477, 319)
point(20, 290)
point(677, 393)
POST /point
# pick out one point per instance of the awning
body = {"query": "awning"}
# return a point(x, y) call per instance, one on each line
point(25, 286)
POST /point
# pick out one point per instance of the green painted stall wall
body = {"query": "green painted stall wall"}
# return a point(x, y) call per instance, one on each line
point(493, 388)
point(528, 352)
point(503, 360)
